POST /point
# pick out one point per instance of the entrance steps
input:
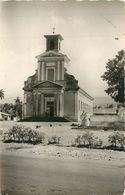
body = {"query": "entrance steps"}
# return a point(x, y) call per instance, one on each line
point(45, 119)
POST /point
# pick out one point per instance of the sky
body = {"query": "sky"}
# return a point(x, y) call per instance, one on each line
point(89, 29)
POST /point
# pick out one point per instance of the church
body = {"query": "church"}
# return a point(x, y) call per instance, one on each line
point(51, 92)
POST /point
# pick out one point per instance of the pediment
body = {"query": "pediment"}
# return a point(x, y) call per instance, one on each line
point(47, 84)
point(50, 54)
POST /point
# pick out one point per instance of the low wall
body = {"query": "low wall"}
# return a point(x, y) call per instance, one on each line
point(105, 120)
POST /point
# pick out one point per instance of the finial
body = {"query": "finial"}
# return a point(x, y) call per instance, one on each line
point(54, 30)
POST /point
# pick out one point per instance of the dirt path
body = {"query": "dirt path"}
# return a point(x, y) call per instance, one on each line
point(32, 174)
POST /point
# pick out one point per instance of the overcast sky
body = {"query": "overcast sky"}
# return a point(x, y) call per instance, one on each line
point(89, 30)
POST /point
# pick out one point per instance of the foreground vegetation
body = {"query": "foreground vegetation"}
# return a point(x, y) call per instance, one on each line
point(21, 134)
point(116, 141)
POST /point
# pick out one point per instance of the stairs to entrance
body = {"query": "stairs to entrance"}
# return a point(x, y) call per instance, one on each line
point(45, 119)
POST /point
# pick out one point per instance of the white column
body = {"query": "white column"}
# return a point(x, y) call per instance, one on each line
point(58, 70)
point(36, 104)
point(39, 104)
point(57, 104)
point(62, 70)
point(39, 71)
point(42, 103)
point(61, 105)
point(76, 106)
point(42, 71)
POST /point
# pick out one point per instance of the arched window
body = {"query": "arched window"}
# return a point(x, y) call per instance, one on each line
point(52, 44)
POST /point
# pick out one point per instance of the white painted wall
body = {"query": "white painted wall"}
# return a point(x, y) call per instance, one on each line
point(84, 104)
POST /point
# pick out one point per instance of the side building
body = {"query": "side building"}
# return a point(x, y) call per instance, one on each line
point(51, 91)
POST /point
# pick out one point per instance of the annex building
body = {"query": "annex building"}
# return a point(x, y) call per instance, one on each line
point(51, 91)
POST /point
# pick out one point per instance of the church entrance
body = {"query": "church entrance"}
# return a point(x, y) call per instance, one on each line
point(49, 106)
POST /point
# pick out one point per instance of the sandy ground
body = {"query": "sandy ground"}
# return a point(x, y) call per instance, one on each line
point(63, 130)
point(106, 156)
point(57, 170)
point(53, 170)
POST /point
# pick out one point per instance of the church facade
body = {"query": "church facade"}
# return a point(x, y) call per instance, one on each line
point(51, 91)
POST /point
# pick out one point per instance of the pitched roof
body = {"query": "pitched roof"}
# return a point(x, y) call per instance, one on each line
point(52, 53)
point(44, 83)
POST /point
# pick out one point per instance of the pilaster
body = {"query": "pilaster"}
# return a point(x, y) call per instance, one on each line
point(43, 71)
point(61, 97)
point(58, 101)
point(42, 103)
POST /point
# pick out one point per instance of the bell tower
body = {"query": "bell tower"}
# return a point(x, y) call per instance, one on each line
point(53, 42)
point(52, 63)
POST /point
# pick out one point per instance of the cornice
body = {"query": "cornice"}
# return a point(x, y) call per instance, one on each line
point(85, 94)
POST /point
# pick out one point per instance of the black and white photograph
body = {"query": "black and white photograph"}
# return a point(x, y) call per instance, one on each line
point(62, 98)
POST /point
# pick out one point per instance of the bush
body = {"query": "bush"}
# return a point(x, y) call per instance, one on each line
point(74, 125)
point(117, 126)
point(87, 139)
point(78, 141)
point(23, 134)
point(117, 140)
point(54, 140)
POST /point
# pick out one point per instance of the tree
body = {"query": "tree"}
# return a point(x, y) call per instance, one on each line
point(1, 94)
point(8, 108)
point(114, 75)
point(12, 109)
point(18, 107)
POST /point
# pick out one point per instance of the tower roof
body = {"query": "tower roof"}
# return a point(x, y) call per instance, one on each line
point(54, 36)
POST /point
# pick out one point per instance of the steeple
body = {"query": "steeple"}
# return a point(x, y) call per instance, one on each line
point(53, 42)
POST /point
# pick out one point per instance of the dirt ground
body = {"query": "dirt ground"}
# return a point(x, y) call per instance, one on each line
point(56, 170)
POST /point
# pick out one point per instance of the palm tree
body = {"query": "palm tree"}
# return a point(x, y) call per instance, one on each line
point(1, 94)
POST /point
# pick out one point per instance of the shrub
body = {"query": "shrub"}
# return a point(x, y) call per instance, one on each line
point(23, 134)
point(78, 141)
point(74, 125)
point(121, 141)
point(54, 140)
point(117, 126)
point(106, 128)
point(87, 139)
point(117, 140)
